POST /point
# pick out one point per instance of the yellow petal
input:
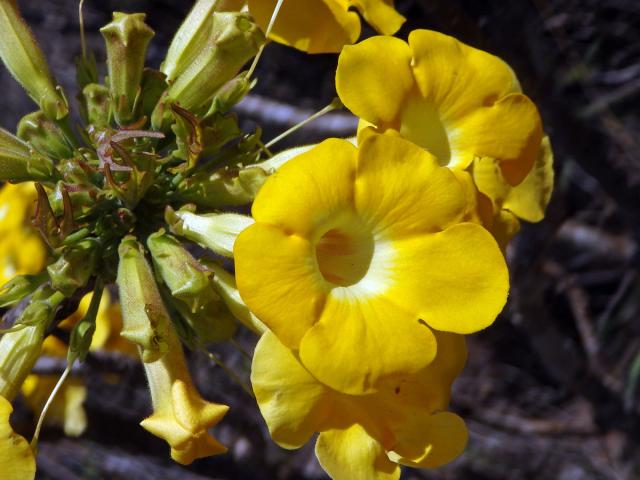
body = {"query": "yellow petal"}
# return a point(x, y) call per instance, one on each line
point(430, 441)
point(352, 454)
point(529, 199)
point(455, 77)
point(374, 77)
point(278, 279)
point(456, 279)
point(419, 196)
point(293, 403)
point(380, 14)
point(17, 461)
point(510, 130)
point(313, 26)
point(361, 337)
point(301, 196)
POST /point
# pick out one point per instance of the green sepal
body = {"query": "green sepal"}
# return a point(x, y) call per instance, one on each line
point(95, 105)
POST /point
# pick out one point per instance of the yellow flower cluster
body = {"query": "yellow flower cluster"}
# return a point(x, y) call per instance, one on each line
point(367, 263)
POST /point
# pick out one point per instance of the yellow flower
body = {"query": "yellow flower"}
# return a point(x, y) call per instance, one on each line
point(21, 248)
point(366, 436)
point(17, 461)
point(463, 105)
point(355, 251)
point(324, 26)
point(180, 415)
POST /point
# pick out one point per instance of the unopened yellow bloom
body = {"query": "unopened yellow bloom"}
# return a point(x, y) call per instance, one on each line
point(462, 104)
point(17, 461)
point(180, 415)
point(362, 437)
point(324, 26)
point(21, 248)
point(355, 251)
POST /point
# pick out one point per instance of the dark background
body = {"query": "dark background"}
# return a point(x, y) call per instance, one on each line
point(549, 391)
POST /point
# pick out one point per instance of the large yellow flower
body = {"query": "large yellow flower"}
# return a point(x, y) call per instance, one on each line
point(462, 104)
point(355, 251)
point(324, 26)
point(21, 248)
point(365, 436)
point(17, 461)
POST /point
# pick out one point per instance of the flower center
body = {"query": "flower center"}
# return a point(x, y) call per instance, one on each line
point(344, 255)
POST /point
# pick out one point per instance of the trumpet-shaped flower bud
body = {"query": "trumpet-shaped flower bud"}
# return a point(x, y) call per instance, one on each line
point(74, 267)
point(20, 349)
point(144, 316)
point(127, 38)
point(24, 59)
point(215, 231)
point(44, 135)
point(20, 163)
point(180, 415)
point(233, 40)
point(17, 461)
point(185, 277)
point(19, 287)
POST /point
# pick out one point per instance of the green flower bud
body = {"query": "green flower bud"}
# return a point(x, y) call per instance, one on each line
point(96, 105)
point(20, 349)
point(20, 287)
point(144, 317)
point(225, 284)
point(24, 59)
point(222, 188)
point(74, 267)
point(44, 135)
point(127, 38)
point(211, 322)
point(215, 231)
point(185, 277)
point(190, 38)
point(233, 40)
point(20, 163)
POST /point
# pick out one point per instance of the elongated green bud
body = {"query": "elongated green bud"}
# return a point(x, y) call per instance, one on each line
point(222, 188)
point(190, 38)
point(44, 135)
point(215, 231)
point(24, 59)
point(127, 38)
point(20, 349)
point(211, 322)
point(225, 285)
point(74, 267)
point(144, 317)
point(20, 163)
point(19, 287)
point(185, 277)
point(233, 41)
